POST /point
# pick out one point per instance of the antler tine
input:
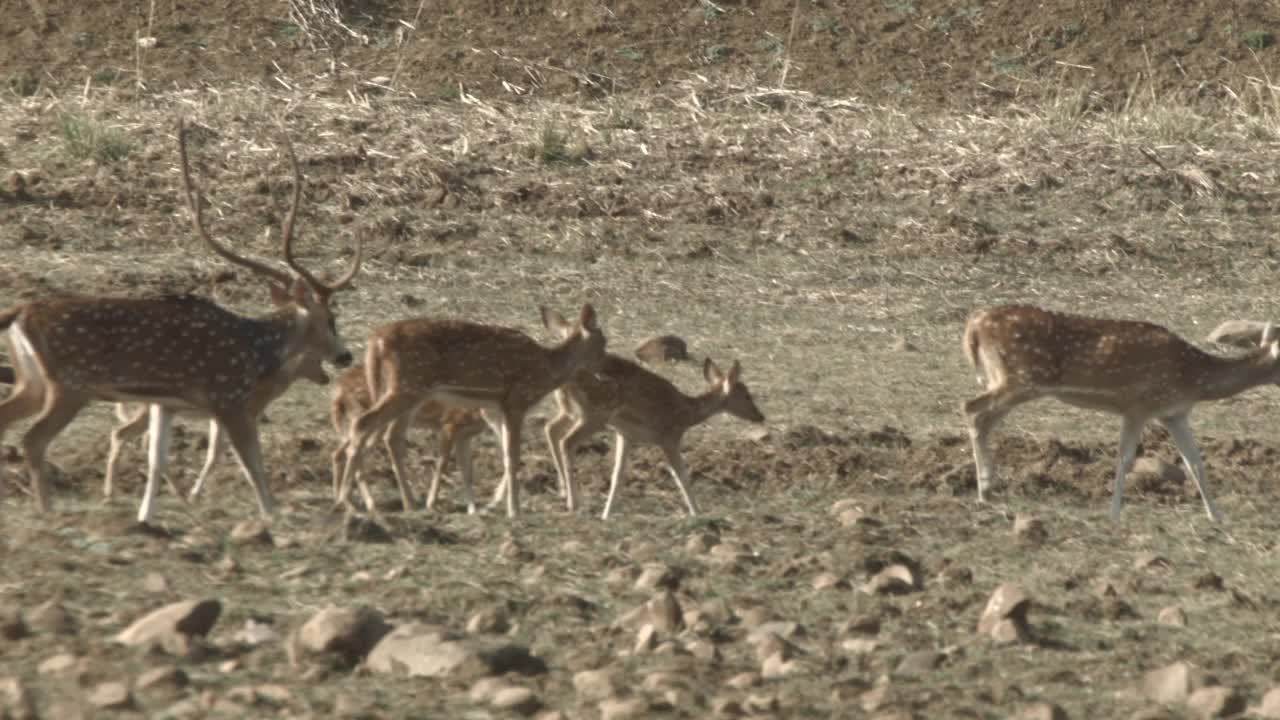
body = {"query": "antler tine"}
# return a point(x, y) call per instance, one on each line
point(197, 219)
point(316, 284)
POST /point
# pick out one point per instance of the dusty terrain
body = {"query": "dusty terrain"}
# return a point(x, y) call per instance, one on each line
point(822, 193)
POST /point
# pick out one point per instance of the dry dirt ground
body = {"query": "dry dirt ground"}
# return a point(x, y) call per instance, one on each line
point(821, 192)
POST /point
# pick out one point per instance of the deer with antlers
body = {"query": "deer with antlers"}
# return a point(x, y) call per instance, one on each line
point(499, 370)
point(455, 428)
point(1137, 370)
point(641, 407)
point(176, 353)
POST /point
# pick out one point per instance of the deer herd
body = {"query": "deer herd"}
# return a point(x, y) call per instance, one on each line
point(157, 357)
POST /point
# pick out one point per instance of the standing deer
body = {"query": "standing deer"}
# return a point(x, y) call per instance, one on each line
point(455, 427)
point(1137, 370)
point(175, 353)
point(641, 407)
point(498, 370)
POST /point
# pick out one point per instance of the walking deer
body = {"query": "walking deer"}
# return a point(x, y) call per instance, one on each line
point(641, 407)
point(464, 364)
point(1137, 370)
point(175, 353)
point(454, 426)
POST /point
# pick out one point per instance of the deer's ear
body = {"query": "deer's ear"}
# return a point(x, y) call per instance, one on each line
point(554, 321)
point(1268, 333)
point(711, 372)
point(588, 317)
point(279, 295)
point(735, 372)
point(1275, 349)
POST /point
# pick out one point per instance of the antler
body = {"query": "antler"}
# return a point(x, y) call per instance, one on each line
point(316, 284)
point(197, 219)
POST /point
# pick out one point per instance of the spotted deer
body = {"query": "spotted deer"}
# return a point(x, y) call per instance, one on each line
point(455, 428)
point(641, 407)
point(1137, 370)
point(175, 353)
point(499, 370)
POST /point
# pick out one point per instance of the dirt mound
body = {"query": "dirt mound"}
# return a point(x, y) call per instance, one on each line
point(899, 51)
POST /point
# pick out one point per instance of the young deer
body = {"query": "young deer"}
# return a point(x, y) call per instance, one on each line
point(464, 364)
point(641, 407)
point(455, 427)
point(135, 424)
point(1137, 370)
point(174, 353)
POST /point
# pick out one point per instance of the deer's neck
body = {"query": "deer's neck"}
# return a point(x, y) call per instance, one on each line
point(692, 410)
point(563, 362)
point(279, 353)
point(1231, 376)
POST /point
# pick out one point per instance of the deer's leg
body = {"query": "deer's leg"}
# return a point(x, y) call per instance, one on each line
point(60, 408)
point(217, 443)
point(447, 439)
point(242, 430)
point(1179, 428)
point(368, 426)
point(462, 451)
point(619, 464)
point(512, 424)
point(984, 413)
point(555, 430)
point(133, 426)
point(1130, 434)
point(26, 399)
point(161, 431)
point(680, 472)
point(579, 432)
point(397, 443)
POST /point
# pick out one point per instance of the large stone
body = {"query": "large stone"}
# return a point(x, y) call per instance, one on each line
point(896, 579)
point(349, 633)
point(430, 651)
point(186, 619)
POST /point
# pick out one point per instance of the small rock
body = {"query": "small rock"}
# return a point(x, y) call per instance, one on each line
point(59, 663)
point(155, 583)
point(861, 625)
point(483, 690)
point(1147, 560)
point(348, 632)
point(256, 633)
point(1005, 614)
point(664, 612)
point(490, 620)
point(52, 617)
point(753, 616)
point(272, 693)
point(12, 626)
point(16, 702)
point(618, 709)
point(1042, 711)
point(776, 666)
point(844, 504)
point(1155, 469)
point(1172, 615)
point(726, 707)
point(859, 646)
point(704, 650)
point(593, 685)
point(654, 576)
point(762, 704)
point(730, 553)
point(514, 551)
point(743, 680)
point(921, 662)
point(1173, 684)
point(896, 579)
point(877, 697)
point(520, 700)
point(189, 618)
point(699, 543)
point(643, 551)
point(167, 677)
point(829, 581)
point(251, 532)
point(1215, 702)
point(110, 695)
point(646, 639)
point(1210, 581)
point(662, 349)
point(1030, 529)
